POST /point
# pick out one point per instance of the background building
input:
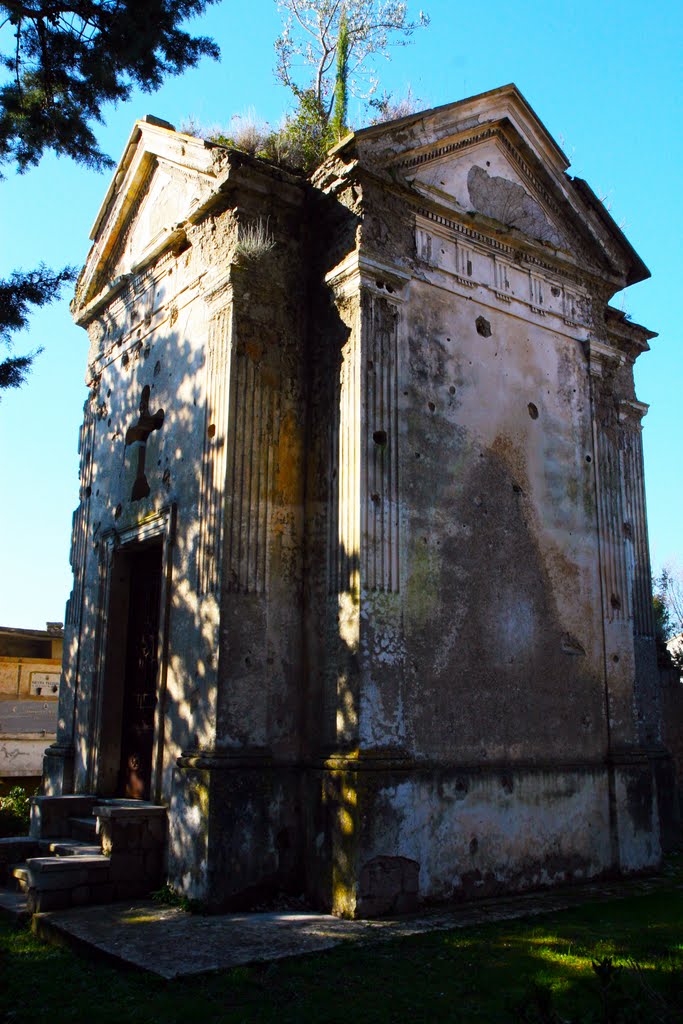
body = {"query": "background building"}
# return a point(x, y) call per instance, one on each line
point(30, 669)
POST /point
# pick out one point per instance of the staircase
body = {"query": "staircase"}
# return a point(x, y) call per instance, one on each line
point(82, 850)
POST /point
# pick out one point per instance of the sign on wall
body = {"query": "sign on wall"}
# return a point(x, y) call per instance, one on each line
point(44, 684)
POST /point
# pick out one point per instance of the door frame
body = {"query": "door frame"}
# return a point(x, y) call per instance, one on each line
point(158, 528)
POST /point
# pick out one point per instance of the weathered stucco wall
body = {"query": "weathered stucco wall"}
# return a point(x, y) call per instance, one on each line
point(498, 547)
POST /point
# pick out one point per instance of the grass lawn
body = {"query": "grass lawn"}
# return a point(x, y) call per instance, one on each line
point(487, 973)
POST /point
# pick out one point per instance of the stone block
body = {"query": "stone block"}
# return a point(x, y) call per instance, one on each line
point(153, 860)
point(126, 866)
point(148, 840)
point(80, 895)
point(388, 885)
point(98, 873)
point(39, 901)
point(102, 892)
point(130, 890)
point(50, 814)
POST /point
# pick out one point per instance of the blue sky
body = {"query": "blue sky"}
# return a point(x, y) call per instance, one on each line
point(605, 78)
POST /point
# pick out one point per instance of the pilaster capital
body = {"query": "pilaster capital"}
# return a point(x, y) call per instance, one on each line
point(361, 271)
point(602, 357)
point(631, 413)
point(219, 290)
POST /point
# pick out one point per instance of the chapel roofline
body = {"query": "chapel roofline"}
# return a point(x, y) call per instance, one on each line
point(504, 91)
point(488, 110)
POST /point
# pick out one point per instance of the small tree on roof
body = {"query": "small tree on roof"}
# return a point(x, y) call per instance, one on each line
point(337, 41)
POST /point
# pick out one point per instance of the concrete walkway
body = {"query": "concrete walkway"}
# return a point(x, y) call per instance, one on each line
point(172, 943)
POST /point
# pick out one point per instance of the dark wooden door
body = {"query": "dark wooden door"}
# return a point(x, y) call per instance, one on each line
point(140, 683)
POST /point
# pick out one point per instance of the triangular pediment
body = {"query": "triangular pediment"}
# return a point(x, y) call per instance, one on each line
point(484, 179)
point(491, 162)
point(161, 180)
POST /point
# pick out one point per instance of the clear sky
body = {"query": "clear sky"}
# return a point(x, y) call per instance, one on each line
point(604, 77)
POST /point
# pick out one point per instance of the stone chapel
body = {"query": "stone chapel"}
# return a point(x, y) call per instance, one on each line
point(361, 577)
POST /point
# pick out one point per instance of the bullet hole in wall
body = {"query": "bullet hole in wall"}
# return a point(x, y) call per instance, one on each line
point(507, 782)
point(451, 390)
point(628, 531)
point(431, 406)
point(380, 437)
point(615, 658)
point(375, 498)
point(533, 410)
point(462, 787)
point(588, 458)
point(483, 326)
point(615, 601)
point(211, 431)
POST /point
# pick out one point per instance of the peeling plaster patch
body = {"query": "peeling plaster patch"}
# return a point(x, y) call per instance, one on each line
point(507, 202)
point(516, 626)
point(540, 824)
point(379, 728)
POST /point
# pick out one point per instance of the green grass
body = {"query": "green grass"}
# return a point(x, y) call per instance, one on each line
point(476, 974)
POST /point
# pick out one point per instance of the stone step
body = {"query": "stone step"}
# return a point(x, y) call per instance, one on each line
point(14, 850)
point(19, 876)
point(50, 815)
point(54, 872)
point(84, 829)
point(68, 848)
point(107, 850)
point(54, 883)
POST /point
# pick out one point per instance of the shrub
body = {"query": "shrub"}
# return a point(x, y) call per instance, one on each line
point(15, 811)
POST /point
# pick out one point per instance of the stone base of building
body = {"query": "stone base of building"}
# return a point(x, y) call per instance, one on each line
point(367, 836)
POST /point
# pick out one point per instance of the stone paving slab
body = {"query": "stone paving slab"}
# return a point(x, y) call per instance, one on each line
point(172, 943)
point(13, 906)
